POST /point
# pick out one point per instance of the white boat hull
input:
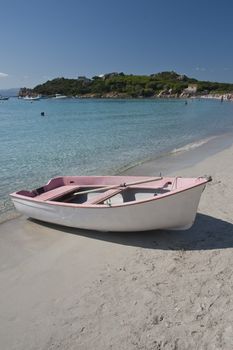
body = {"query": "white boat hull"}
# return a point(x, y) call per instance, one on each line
point(36, 98)
point(173, 212)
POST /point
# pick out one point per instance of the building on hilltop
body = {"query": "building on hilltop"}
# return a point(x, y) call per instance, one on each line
point(191, 89)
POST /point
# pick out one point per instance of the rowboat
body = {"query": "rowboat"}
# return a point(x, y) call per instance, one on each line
point(114, 203)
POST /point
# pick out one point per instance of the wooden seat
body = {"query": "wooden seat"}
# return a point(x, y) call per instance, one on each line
point(100, 197)
point(57, 192)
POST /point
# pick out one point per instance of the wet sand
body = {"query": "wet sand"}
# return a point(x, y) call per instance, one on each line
point(63, 288)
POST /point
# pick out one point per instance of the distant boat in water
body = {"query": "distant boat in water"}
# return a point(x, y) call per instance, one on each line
point(32, 98)
point(4, 98)
point(59, 96)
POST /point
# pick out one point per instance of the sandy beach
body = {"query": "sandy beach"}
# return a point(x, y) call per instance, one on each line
point(63, 288)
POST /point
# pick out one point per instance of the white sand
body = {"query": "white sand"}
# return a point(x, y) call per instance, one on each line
point(62, 288)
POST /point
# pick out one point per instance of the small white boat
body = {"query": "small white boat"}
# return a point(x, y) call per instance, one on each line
point(4, 98)
point(114, 203)
point(32, 98)
point(59, 96)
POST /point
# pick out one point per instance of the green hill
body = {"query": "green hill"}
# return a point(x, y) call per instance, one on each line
point(121, 85)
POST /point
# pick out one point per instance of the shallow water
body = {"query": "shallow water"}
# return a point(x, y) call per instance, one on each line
point(77, 137)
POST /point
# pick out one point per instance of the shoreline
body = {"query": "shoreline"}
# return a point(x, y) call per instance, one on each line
point(222, 97)
point(69, 288)
point(165, 163)
point(182, 157)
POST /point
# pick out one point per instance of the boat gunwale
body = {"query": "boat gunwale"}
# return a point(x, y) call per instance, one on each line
point(203, 181)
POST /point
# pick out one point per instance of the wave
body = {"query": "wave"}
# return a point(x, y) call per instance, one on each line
point(192, 145)
point(186, 148)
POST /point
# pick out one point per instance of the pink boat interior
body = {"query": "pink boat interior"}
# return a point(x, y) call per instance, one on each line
point(96, 190)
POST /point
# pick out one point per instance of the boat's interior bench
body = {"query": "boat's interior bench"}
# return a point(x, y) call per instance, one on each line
point(97, 198)
point(57, 192)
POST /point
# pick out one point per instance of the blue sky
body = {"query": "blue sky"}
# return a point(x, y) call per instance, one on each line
point(41, 40)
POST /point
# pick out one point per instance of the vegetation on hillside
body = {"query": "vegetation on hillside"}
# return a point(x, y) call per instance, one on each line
point(122, 85)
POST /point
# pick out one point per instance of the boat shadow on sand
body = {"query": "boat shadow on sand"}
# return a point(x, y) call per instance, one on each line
point(207, 233)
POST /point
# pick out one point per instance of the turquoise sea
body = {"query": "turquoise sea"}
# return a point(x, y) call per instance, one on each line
point(77, 136)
